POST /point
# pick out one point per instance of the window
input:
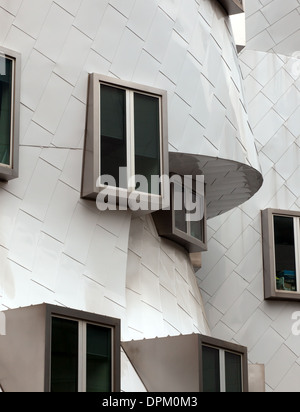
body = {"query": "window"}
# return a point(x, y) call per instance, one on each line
point(224, 366)
point(185, 223)
point(222, 370)
point(189, 363)
point(126, 138)
point(83, 355)
point(9, 113)
point(281, 241)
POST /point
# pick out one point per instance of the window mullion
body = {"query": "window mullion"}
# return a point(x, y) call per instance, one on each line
point(82, 350)
point(222, 371)
point(130, 140)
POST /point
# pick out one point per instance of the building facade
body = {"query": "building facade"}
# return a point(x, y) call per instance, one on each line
point(100, 299)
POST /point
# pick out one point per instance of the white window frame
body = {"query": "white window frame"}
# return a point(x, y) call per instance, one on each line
point(130, 136)
point(91, 186)
point(269, 254)
point(82, 350)
point(222, 365)
point(11, 171)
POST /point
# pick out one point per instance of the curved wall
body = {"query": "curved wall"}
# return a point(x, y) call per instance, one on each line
point(57, 248)
point(54, 247)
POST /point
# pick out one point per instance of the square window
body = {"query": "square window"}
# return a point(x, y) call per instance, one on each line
point(281, 240)
point(224, 367)
point(9, 113)
point(126, 145)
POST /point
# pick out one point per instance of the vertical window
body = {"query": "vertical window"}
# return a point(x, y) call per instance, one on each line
point(64, 356)
point(99, 359)
point(6, 109)
point(185, 222)
point(113, 132)
point(130, 137)
point(233, 372)
point(147, 138)
point(9, 113)
point(126, 141)
point(190, 203)
point(285, 257)
point(81, 357)
point(222, 370)
point(180, 213)
point(211, 370)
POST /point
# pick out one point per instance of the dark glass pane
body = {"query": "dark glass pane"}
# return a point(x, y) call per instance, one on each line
point(99, 370)
point(211, 370)
point(233, 367)
point(180, 214)
point(6, 72)
point(197, 228)
point(113, 133)
point(285, 253)
point(147, 139)
point(64, 356)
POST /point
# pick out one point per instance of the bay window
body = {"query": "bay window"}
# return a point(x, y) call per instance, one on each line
point(281, 241)
point(185, 222)
point(126, 139)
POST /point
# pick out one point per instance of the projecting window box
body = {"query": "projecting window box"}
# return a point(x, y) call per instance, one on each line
point(281, 249)
point(9, 113)
point(186, 221)
point(63, 350)
point(126, 139)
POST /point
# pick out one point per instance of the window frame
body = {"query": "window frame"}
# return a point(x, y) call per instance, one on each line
point(223, 347)
point(165, 221)
point(269, 256)
point(91, 174)
point(84, 318)
point(11, 171)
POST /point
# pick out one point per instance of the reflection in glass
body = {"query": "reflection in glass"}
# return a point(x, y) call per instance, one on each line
point(197, 227)
point(233, 368)
point(98, 361)
point(6, 76)
point(64, 356)
point(180, 214)
point(285, 253)
point(147, 139)
point(113, 132)
point(211, 370)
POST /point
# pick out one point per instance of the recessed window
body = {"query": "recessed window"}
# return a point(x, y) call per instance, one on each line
point(9, 113)
point(126, 138)
point(222, 370)
point(83, 355)
point(185, 222)
point(281, 241)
